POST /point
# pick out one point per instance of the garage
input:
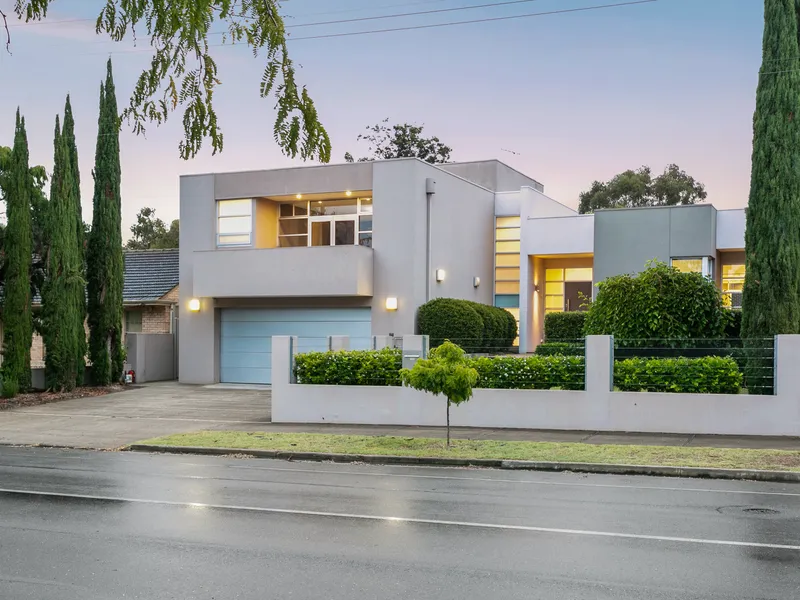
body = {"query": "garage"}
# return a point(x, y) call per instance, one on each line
point(245, 343)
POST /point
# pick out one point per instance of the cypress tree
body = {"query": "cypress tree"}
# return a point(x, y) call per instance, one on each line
point(77, 242)
point(104, 253)
point(771, 298)
point(17, 316)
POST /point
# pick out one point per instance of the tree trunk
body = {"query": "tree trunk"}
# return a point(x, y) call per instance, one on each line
point(448, 423)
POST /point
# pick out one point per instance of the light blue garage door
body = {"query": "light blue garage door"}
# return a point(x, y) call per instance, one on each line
point(246, 336)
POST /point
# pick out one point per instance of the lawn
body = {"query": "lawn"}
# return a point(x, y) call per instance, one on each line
point(724, 458)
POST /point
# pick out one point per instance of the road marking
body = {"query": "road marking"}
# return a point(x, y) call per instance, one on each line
point(411, 520)
point(91, 416)
point(520, 481)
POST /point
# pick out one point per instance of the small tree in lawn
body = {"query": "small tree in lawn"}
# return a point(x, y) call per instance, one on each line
point(446, 372)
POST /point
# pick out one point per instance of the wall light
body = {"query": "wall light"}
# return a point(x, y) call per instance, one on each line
point(299, 196)
point(440, 274)
point(194, 305)
point(476, 281)
point(391, 303)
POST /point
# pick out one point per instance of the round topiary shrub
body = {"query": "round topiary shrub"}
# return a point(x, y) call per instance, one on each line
point(495, 327)
point(450, 319)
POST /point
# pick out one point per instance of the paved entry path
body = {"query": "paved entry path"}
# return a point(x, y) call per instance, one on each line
point(125, 417)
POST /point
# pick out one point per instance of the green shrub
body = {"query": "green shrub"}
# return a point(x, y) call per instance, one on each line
point(530, 373)
point(450, 319)
point(349, 367)
point(560, 349)
point(563, 326)
point(707, 375)
point(660, 303)
point(473, 326)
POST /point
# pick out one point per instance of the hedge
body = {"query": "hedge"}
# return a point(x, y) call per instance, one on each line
point(560, 349)
point(707, 375)
point(350, 367)
point(473, 326)
point(530, 373)
point(563, 326)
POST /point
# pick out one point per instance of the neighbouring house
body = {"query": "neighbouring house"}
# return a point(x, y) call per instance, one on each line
point(150, 295)
point(355, 249)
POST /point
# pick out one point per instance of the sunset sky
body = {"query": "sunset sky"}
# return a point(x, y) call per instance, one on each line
point(576, 97)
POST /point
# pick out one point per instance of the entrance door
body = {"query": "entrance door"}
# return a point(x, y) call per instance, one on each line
point(574, 294)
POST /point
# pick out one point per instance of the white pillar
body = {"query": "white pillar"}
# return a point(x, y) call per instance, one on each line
point(599, 364)
point(787, 358)
point(379, 342)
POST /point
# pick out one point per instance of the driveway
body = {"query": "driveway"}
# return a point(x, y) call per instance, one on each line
point(122, 418)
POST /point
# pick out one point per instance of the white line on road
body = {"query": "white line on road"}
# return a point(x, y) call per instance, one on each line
point(138, 418)
point(498, 526)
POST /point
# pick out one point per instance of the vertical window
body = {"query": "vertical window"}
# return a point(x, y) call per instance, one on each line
point(133, 321)
point(732, 285)
point(365, 222)
point(234, 222)
point(293, 225)
point(507, 265)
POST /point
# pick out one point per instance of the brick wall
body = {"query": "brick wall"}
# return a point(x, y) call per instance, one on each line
point(171, 296)
point(37, 352)
point(155, 319)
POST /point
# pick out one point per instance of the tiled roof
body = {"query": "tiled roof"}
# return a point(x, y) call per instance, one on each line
point(149, 274)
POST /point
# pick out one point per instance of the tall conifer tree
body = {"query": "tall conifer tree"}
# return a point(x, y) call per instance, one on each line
point(771, 299)
point(104, 253)
point(17, 316)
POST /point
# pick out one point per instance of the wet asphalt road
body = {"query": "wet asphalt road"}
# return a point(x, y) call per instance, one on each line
point(96, 525)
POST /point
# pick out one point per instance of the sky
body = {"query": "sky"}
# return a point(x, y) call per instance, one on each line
point(565, 98)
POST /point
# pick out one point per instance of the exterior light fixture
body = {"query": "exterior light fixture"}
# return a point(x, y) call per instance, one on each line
point(536, 288)
point(194, 305)
point(299, 196)
point(348, 193)
point(440, 274)
point(476, 281)
point(391, 303)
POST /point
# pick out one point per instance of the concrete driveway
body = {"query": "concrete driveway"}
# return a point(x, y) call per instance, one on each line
point(122, 418)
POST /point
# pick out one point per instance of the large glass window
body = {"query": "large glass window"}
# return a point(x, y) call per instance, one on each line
point(133, 321)
point(555, 287)
point(732, 285)
point(234, 222)
point(342, 222)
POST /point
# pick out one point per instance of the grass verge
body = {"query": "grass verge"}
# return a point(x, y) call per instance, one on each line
point(722, 458)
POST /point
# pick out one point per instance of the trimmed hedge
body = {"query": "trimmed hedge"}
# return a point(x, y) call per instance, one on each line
point(560, 349)
point(530, 373)
point(473, 326)
point(707, 375)
point(350, 367)
point(733, 329)
point(563, 326)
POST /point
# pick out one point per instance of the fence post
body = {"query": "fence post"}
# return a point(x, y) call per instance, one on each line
point(599, 363)
point(284, 348)
point(787, 357)
point(414, 347)
point(338, 342)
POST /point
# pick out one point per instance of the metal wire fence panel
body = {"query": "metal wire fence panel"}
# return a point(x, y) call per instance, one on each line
point(724, 365)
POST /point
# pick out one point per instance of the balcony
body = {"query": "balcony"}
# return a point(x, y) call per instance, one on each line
point(283, 272)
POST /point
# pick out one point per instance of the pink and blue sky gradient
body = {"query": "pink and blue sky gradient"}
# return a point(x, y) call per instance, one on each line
point(577, 97)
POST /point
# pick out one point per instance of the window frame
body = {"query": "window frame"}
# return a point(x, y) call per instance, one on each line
point(140, 324)
point(706, 264)
point(249, 234)
point(364, 208)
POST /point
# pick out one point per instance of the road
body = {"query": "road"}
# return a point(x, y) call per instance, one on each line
point(105, 525)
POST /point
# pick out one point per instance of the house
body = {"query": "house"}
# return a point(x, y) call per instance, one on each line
point(149, 295)
point(355, 249)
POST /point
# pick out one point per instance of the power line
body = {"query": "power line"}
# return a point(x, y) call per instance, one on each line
point(484, 20)
point(411, 14)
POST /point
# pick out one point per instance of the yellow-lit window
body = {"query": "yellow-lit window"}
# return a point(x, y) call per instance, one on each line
point(508, 234)
point(554, 302)
point(505, 274)
point(554, 288)
point(554, 275)
point(549, 310)
point(506, 287)
point(688, 265)
point(515, 312)
point(732, 285)
point(508, 221)
point(508, 260)
point(508, 247)
point(582, 274)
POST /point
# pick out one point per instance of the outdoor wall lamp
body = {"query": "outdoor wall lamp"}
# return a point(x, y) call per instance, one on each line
point(476, 281)
point(536, 288)
point(194, 305)
point(440, 274)
point(391, 303)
